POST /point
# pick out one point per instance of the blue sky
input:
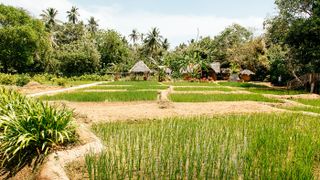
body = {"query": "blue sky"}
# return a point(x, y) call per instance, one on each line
point(177, 20)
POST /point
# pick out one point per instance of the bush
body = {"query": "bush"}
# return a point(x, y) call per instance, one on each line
point(30, 128)
point(23, 80)
point(8, 79)
point(60, 81)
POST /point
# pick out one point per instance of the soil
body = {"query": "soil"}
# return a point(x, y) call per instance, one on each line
point(120, 111)
point(34, 87)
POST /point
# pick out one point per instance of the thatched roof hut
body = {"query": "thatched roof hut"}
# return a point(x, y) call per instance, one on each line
point(245, 75)
point(140, 67)
point(216, 67)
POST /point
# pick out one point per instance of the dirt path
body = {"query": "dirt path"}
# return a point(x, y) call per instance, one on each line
point(108, 112)
point(64, 89)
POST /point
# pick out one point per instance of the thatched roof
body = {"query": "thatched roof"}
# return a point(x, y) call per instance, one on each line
point(140, 67)
point(247, 72)
point(216, 67)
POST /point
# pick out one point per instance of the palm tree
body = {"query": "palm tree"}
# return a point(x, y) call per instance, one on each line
point(92, 25)
point(134, 36)
point(153, 41)
point(141, 37)
point(49, 17)
point(73, 15)
point(165, 44)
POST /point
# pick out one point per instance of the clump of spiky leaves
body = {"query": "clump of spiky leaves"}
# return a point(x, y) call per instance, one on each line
point(30, 128)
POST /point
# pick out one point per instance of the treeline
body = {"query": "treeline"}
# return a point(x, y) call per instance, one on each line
point(289, 47)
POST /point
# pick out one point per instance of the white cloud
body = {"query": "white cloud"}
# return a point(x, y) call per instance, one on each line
point(177, 28)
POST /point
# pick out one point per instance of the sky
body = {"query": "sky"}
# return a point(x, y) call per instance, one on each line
point(178, 20)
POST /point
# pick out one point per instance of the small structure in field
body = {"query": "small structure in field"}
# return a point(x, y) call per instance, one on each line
point(188, 71)
point(140, 68)
point(245, 75)
point(211, 71)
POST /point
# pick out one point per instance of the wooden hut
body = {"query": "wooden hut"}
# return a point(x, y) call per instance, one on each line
point(245, 75)
point(140, 68)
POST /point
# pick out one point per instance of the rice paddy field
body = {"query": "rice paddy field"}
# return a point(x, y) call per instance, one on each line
point(273, 145)
point(256, 146)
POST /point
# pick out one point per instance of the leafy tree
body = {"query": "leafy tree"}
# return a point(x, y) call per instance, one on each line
point(78, 57)
point(165, 44)
point(73, 15)
point(24, 43)
point(68, 32)
point(112, 48)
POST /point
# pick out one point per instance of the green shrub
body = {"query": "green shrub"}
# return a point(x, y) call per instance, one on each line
point(60, 81)
point(30, 128)
point(23, 79)
point(8, 79)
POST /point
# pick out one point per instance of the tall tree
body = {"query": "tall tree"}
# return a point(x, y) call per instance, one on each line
point(49, 17)
point(92, 25)
point(153, 42)
point(73, 15)
point(134, 36)
point(165, 44)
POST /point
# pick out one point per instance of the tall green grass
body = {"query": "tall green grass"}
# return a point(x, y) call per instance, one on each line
point(259, 146)
point(103, 96)
point(30, 128)
point(219, 97)
point(303, 108)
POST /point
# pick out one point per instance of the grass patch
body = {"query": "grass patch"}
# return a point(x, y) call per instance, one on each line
point(214, 88)
point(311, 102)
point(219, 97)
point(243, 85)
point(185, 83)
point(103, 96)
point(274, 91)
point(258, 146)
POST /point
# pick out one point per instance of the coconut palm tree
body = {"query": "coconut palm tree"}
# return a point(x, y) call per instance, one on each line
point(153, 41)
point(134, 36)
point(49, 17)
point(92, 25)
point(73, 15)
point(165, 44)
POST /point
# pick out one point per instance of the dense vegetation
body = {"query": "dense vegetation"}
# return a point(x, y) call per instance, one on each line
point(258, 146)
point(29, 129)
point(289, 47)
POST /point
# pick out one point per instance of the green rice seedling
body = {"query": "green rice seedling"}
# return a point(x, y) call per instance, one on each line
point(311, 102)
point(129, 88)
point(219, 97)
point(134, 83)
point(30, 128)
point(274, 91)
point(79, 96)
point(213, 88)
point(185, 83)
point(243, 85)
point(257, 146)
point(303, 108)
